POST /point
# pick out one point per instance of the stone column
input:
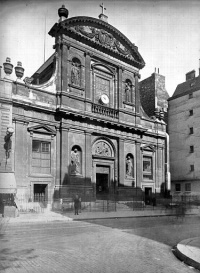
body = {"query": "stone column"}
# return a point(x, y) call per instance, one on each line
point(138, 176)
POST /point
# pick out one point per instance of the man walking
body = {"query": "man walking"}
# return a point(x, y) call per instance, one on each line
point(76, 204)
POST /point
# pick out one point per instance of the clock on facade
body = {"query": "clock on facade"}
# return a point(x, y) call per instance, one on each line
point(104, 99)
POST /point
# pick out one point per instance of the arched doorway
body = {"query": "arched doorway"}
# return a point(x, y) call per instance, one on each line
point(103, 168)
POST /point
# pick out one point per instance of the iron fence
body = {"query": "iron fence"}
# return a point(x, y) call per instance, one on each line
point(112, 203)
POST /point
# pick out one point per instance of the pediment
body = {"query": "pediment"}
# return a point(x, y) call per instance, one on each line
point(42, 129)
point(150, 148)
point(100, 35)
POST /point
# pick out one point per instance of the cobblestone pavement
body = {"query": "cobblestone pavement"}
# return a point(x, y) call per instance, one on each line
point(82, 247)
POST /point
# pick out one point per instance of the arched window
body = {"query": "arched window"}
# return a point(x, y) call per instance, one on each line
point(129, 165)
point(76, 72)
point(128, 91)
point(76, 160)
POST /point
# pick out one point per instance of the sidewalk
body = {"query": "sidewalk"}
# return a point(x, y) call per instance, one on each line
point(188, 251)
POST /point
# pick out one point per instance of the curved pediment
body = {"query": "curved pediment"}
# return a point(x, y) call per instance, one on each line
point(100, 35)
point(147, 147)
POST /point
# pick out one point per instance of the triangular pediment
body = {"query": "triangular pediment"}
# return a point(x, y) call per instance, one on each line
point(101, 36)
point(42, 129)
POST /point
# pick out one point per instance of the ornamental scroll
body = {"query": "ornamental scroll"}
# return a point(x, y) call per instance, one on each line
point(103, 37)
point(101, 148)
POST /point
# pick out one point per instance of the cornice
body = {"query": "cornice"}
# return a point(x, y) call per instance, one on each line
point(75, 21)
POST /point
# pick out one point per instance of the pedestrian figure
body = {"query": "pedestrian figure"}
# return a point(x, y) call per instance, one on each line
point(80, 204)
point(76, 204)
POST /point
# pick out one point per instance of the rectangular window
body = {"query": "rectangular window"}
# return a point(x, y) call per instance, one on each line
point(190, 95)
point(192, 149)
point(191, 131)
point(191, 112)
point(41, 157)
point(191, 168)
point(177, 187)
point(188, 187)
point(147, 167)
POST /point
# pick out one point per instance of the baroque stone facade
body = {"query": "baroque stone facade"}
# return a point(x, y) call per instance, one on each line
point(79, 127)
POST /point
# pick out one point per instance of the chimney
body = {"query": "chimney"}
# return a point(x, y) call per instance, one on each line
point(199, 67)
point(190, 75)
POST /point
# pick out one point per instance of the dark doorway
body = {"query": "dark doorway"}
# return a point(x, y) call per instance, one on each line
point(40, 192)
point(148, 195)
point(102, 186)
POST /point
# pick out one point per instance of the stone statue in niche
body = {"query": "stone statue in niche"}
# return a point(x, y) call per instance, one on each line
point(75, 73)
point(129, 166)
point(75, 162)
point(128, 91)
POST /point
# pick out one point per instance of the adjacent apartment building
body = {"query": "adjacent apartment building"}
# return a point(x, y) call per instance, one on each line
point(184, 136)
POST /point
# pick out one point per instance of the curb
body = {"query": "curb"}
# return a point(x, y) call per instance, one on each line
point(118, 217)
point(188, 261)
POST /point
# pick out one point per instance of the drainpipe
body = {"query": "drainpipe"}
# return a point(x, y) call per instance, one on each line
point(167, 169)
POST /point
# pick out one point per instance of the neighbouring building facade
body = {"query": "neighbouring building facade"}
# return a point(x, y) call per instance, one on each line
point(77, 125)
point(183, 115)
point(153, 95)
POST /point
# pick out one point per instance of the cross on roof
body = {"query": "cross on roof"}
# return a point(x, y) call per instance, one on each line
point(102, 6)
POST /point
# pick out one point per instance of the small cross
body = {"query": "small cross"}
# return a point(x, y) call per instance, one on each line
point(102, 6)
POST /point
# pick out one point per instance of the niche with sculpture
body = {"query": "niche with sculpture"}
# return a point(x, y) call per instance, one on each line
point(76, 72)
point(129, 166)
point(76, 161)
point(128, 91)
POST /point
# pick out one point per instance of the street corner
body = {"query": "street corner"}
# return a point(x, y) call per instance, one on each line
point(181, 254)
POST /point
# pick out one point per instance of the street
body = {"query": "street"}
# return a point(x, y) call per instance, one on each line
point(107, 245)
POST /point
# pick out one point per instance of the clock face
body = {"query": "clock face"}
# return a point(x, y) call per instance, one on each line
point(104, 99)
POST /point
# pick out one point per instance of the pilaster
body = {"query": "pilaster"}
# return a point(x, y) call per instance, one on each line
point(121, 166)
point(120, 93)
point(138, 165)
point(64, 156)
point(88, 158)
point(87, 75)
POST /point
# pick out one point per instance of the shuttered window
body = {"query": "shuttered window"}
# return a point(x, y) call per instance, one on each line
point(41, 157)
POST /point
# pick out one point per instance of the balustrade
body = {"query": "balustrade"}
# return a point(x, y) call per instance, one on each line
point(105, 111)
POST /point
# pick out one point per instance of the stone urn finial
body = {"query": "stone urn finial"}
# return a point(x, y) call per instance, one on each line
point(63, 12)
point(157, 113)
point(162, 114)
point(8, 67)
point(19, 70)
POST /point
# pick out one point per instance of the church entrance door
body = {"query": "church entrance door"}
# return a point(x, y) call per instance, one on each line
point(102, 185)
point(102, 181)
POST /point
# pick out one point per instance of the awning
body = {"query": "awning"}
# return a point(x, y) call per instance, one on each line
point(7, 183)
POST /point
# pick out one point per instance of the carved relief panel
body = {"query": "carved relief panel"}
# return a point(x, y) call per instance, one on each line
point(103, 149)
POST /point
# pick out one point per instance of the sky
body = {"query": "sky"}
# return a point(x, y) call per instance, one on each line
point(167, 33)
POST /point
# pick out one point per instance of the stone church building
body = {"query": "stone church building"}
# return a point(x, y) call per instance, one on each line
point(77, 125)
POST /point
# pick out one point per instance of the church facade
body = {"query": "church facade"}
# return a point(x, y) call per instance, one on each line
point(78, 125)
